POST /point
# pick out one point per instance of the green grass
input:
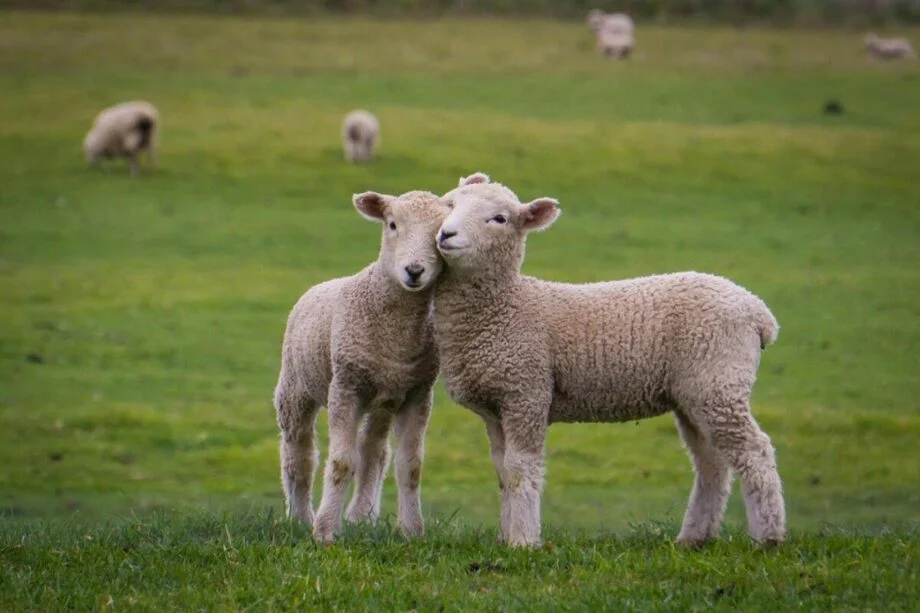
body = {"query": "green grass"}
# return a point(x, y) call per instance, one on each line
point(251, 561)
point(156, 306)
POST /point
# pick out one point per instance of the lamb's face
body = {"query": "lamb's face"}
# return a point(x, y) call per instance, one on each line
point(408, 253)
point(487, 225)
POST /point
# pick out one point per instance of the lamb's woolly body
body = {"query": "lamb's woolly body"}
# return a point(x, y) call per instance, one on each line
point(363, 346)
point(124, 130)
point(360, 136)
point(523, 353)
point(889, 48)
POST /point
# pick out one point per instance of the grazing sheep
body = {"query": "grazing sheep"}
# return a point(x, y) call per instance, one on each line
point(124, 130)
point(888, 48)
point(363, 346)
point(614, 32)
point(360, 136)
point(524, 353)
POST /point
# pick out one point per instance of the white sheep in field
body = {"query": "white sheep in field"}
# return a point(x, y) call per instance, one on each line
point(124, 130)
point(888, 48)
point(524, 353)
point(363, 346)
point(614, 33)
point(360, 136)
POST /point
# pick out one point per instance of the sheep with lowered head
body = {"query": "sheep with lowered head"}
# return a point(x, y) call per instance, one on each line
point(124, 130)
point(888, 48)
point(614, 32)
point(363, 346)
point(524, 353)
point(360, 136)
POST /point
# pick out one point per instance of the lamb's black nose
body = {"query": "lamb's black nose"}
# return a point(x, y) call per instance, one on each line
point(444, 235)
point(414, 271)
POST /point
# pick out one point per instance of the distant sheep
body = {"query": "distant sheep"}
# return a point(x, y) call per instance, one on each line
point(124, 130)
point(360, 136)
point(614, 33)
point(888, 48)
point(524, 353)
point(363, 346)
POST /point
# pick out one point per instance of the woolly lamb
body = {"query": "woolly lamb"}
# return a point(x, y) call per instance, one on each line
point(363, 346)
point(888, 48)
point(524, 353)
point(124, 130)
point(615, 33)
point(360, 136)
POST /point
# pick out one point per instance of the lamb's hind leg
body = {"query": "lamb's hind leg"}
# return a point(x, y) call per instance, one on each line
point(737, 437)
point(297, 417)
point(373, 458)
point(711, 487)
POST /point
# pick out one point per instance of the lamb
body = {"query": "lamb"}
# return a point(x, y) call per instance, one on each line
point(615, 33)
point(360, 136)
point(524, 353)
point(363, 346)
point(124, 130)
point(888, 48)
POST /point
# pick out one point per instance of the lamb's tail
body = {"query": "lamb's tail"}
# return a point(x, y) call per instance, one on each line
point(766, 324)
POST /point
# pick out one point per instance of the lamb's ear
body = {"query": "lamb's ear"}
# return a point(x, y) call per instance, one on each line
point(540, 214)
point(476, 177)
point(372, 205)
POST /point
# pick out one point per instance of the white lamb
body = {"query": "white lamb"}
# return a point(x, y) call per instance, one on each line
point(363, 346)
point(124, 130)
point(524, 353)
point(360, 136)
point(614, 32)
point(888, 48)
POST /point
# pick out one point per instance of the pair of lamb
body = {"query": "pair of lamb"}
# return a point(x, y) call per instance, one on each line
point(129, 129)
point(447, 293)
point(614, 33)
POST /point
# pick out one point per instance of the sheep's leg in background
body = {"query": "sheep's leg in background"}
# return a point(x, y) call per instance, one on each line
point(524, 428)
point(711, 486)
point(344, 414)
point(497, 452)
point(297, 418)
point(411, 425)
point(373, 458)
point(737, 437)
point(135, 164)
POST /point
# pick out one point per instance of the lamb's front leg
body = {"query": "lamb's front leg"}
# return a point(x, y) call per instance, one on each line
point(373, 457)
point(411, 424)
point(524, 428)
point(344, 413)
point(497, 452)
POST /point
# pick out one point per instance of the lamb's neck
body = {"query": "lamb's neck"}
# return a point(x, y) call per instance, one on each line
point(473, 299)
point(392, 305)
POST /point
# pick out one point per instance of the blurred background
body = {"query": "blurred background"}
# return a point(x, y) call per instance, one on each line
point(141, 317)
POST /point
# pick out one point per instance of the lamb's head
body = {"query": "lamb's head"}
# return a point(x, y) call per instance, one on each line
point(595, 19)
point(871, 40)
point(407, 252)
point(487, 226)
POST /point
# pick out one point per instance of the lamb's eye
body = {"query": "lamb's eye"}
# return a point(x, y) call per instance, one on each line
point(392, 225)
point(499, 219)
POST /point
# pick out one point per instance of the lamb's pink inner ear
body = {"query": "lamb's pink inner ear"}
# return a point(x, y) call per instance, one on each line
point(540, 214)
point(372, 205)
point(476, 177)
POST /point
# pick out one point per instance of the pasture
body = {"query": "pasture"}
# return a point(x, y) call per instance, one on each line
point(141, 319)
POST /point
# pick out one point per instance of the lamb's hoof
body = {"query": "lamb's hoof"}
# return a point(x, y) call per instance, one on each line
point(412, 529)
point(525, 543)
point(769, 542)
point(692, 542)
point(324, 532)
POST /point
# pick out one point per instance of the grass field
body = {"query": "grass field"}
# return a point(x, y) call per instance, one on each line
point(140, 320)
